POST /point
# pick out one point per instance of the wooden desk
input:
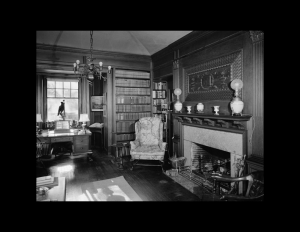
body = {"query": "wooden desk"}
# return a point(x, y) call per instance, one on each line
point(57, 193)
point(81, 143)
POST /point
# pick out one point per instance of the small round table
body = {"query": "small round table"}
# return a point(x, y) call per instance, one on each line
point(121, 151)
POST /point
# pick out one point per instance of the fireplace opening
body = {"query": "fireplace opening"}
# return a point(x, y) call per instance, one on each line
point(208, 159)
point(205, 160)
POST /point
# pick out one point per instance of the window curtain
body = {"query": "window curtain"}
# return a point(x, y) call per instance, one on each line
point(39, 98)
point(84, 98)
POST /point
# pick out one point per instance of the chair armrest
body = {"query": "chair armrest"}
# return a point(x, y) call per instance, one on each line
point(162, 145)
point(228, 178)
point(134, 144)
point(239, 197)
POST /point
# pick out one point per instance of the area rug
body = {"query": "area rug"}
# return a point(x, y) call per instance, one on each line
point(115, 189)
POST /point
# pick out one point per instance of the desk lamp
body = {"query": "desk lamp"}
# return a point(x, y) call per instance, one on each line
point(84, 118)
point(236, 104)
point(38, 119)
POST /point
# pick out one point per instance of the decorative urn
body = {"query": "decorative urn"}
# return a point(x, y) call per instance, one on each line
point(178, 104)
point(236, 105)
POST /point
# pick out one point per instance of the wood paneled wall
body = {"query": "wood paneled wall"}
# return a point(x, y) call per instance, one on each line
point(258, 92)
point(202, 46)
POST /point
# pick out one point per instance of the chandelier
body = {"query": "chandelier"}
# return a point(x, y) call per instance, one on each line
point(90, 71)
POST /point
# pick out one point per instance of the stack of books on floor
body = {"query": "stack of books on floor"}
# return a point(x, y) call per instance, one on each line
point(47, 181)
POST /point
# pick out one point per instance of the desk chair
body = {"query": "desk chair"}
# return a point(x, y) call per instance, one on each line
point(42, 150)
point(255, 187)
point(62, 148)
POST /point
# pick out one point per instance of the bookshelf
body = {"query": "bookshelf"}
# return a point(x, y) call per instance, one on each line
point(160, 98)
point(161, 103)
point(132, 91)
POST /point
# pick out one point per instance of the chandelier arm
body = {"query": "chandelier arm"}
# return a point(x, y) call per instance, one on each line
point(91, 33)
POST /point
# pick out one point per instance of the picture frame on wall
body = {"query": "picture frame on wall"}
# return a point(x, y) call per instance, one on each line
point(96, 103)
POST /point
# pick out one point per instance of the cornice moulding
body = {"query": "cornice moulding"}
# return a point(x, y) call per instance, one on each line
point(80, 51)
point(180, 43)
point(256, 36)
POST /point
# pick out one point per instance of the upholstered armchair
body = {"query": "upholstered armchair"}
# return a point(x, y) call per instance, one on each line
point(148, 143)
point(255, 186)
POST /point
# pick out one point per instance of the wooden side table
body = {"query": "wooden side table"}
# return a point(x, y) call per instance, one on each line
point(95, 131)
point(121, 151)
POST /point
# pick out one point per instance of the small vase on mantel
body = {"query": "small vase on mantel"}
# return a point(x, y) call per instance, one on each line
point(200, 108)
point(216, 109)
point(189, 108)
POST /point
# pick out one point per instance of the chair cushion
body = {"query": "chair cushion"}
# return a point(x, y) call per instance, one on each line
point(149, 149)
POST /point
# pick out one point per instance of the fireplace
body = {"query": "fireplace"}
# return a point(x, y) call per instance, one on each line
point(219, 138)
point(205, 160)
point(209, 150)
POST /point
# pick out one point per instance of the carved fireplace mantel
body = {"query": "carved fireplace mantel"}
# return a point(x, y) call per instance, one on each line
point(216, 121)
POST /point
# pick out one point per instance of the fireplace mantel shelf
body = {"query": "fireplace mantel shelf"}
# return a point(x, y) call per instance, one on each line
point(226, 121)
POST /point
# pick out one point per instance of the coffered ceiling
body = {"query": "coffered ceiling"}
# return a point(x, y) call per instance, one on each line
point(131, 42)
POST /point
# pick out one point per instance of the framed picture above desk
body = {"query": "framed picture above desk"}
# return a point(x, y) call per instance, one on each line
point(96, 103)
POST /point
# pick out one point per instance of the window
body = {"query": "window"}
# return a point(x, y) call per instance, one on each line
point(57, 91)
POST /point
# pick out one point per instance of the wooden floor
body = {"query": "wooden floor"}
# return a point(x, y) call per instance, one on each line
point(150, 183)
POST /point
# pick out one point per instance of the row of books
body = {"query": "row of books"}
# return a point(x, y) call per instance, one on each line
point(133, 91)
point(132, 74)
point(126, 126)
point(160, 101)
point(132, 83)
point(158, 94)
point(125, 137)
point(160, 108)
point(129, 116)
point(132, 108)
point(45, 180)
point(160, 85)
point(133, 100)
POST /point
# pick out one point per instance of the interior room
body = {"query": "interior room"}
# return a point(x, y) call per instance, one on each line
point(149, 116)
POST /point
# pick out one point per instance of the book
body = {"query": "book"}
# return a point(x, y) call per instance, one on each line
point(50, 185)
point(43, 178)
point(43, 181)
